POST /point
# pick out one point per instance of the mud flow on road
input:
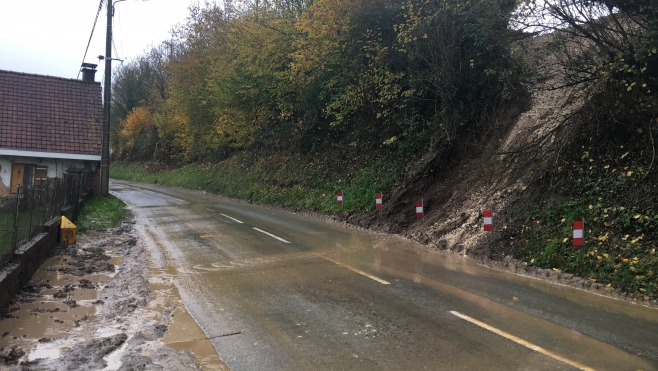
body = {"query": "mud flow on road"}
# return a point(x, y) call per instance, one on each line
point(277, 290)
point(100, 305)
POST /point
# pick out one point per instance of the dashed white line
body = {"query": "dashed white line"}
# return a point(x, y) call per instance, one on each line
point(232, 218)
point(271, 235)
point(520, 341)
point(383, 282)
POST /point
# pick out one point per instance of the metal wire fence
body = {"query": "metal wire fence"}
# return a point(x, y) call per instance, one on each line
point(23, 214)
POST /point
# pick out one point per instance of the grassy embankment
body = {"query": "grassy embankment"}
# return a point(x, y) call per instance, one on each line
point(293, 184)
point(613, 190)
point(101, 212)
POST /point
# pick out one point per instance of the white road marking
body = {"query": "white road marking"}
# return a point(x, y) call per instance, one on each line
point(520, 341)
point(271, 235)
point(230, 218)
point(357, 271)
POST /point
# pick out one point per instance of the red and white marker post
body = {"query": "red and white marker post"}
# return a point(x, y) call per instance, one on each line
point(488, 221)
point(578, 227)
point(419, 209)
point(378, 201)
point(339, 198)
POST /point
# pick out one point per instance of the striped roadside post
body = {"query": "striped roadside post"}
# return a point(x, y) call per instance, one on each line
point(419, 209)
point(488, 221)
point(578, 227)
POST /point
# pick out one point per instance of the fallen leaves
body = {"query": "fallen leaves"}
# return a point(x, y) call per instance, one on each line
point(634, 240)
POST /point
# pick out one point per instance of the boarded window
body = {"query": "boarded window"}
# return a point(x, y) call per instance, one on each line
point(40, 175)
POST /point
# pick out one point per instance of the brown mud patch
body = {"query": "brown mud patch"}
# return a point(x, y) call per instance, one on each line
point(90, 307)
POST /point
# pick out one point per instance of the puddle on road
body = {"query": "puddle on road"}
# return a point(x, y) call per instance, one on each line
point(184, 332)
point(247, 263)
point(204, 352)
point(46, 351)
point(406, 260)
point(53, 321)
point(48, 273)
point(77, 295)
point(373, 253)
point(47, 317)
point(116, 260)
point(31, 324)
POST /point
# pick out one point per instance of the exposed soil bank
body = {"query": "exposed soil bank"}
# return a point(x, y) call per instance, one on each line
point(91, 307)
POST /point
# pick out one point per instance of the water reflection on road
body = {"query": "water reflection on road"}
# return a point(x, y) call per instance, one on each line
point(342, 298)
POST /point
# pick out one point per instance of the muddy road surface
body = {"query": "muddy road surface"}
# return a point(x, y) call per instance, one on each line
point(100, 304)
point(274, 290)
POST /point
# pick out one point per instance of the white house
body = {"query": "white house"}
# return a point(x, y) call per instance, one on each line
point(48, 125)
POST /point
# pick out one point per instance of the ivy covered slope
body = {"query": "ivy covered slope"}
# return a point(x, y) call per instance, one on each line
point(546, 114)
point(613, 190)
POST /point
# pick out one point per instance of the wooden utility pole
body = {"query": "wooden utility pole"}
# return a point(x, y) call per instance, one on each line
point(107, 96)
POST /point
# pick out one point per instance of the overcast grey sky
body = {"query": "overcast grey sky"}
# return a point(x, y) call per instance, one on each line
point(49, 37)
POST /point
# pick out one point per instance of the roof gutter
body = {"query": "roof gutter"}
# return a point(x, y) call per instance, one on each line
point(68, 156)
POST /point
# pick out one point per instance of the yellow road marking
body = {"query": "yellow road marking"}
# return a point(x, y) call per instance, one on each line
point(520, 341)
point(271, 235)
point(357, 271)
point(230, 218)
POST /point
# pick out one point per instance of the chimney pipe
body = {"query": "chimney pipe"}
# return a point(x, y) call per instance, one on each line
point(88, 72)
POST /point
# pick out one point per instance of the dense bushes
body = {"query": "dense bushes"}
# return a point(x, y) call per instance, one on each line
point(374, 76)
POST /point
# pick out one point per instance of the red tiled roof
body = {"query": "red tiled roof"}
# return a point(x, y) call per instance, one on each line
point(50, 114)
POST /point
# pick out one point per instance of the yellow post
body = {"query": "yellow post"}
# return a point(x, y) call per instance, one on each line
point(67, 231)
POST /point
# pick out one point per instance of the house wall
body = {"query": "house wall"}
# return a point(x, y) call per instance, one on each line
point(56, 168)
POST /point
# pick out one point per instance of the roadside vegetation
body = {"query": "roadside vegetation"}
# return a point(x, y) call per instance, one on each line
point(296, 184)
point(289, 102)
point(603, 170)
point(100, 213)
point(614, 192)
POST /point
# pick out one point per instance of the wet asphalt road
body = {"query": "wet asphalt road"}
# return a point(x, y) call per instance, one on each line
point(278, 291)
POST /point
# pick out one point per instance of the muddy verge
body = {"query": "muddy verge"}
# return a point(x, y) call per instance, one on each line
point(84, 310)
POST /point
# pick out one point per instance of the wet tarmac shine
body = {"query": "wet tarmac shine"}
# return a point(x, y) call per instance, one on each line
point(312, 295)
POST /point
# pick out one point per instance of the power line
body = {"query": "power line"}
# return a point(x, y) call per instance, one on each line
point(100, 7)
point(114, 26)
point(116, 53)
